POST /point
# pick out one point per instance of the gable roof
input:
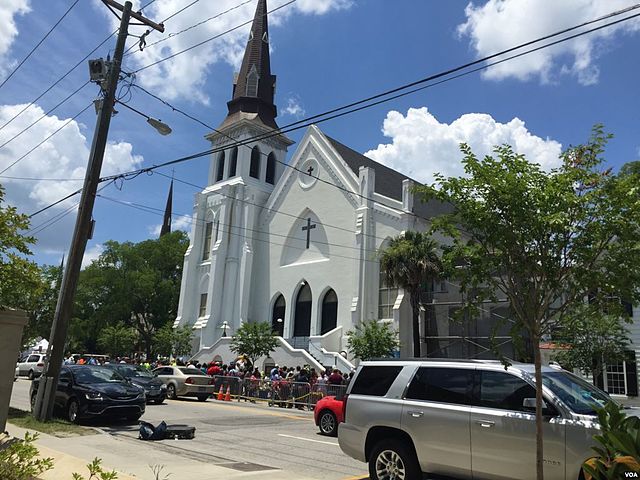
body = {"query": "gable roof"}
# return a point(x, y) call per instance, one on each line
point(389, 181)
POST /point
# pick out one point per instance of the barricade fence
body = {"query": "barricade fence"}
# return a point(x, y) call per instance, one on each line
point(282, 393)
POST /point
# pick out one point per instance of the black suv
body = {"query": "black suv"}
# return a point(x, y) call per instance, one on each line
point(90, 391)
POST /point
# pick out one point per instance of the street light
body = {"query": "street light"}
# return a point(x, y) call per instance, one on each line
point(224, 327)
point(162, 128)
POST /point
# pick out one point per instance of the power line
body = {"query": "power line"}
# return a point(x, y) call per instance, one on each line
point(47, 138)
point(38, 44)
point(301, 123)
point(211, 38)
point(55, 203)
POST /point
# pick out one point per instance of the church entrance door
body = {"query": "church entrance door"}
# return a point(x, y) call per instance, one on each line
point(277, 317)
point(302, 318)
point(329, 312)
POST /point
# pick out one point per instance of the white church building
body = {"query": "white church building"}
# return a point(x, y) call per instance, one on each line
point(295, 243)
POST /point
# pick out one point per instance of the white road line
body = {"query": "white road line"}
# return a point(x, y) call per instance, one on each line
point(307, 439)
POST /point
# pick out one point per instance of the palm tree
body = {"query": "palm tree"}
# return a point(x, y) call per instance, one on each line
point(410, 260)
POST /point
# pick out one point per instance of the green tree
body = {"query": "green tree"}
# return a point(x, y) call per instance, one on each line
point(137, 284)
point(41, 305)
point(254, 339)
point(117, 340)
point(410, 261)
point(372, 339)
point(183, 340)
point(591, 337)
point(545, 240)
point(19, 279)
point(169, 341)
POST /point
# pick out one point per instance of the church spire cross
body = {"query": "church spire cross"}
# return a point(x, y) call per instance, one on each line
point(307, 228)
point(310, 170)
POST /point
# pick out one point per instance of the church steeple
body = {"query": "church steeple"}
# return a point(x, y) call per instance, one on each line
point(254, 87)
point(166, 222)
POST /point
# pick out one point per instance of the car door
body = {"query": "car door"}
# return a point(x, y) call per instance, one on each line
point(29, 364)
point(436, 414)
point(503, 432)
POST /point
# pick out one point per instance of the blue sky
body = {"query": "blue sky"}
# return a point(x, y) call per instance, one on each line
point(325, 53)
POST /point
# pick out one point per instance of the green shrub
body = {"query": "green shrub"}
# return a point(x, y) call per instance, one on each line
point(19, 461)
point(96, 472)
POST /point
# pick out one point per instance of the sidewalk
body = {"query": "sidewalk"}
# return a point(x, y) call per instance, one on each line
point(134, 458)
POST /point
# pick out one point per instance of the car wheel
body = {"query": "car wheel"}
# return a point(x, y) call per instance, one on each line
point(393, 460)
point(328, 423)
point(72, 412)
point(203, 398)
point(171, 391)
point(31, 375)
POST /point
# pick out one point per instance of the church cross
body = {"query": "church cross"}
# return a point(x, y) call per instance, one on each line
point(310, 170)
point(308, 228)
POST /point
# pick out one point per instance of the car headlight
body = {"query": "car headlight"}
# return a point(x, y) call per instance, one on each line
point(94, 396)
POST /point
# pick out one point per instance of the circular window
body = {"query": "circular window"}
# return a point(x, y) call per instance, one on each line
point(308, 173)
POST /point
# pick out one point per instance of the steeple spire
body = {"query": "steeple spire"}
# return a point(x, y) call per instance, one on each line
point(254, 87)
point(166, 222)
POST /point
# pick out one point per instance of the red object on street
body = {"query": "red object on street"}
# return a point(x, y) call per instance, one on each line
point(328, 414)
point(227, 397)
point(221, 393)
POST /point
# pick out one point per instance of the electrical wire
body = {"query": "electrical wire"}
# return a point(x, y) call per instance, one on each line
point(38, 44)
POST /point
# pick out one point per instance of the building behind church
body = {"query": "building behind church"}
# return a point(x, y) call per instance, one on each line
point(295, 243)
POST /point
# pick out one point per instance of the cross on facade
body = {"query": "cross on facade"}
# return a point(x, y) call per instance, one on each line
point(308, 228)
point(310, 171)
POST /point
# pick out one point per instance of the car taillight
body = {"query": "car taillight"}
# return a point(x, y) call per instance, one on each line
point(344, 407)
point(40, 365)
point(189, 380)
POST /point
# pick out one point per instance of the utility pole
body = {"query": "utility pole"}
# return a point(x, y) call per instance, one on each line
point(43, 408)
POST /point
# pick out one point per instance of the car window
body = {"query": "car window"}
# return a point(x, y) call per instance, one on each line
point(579, 395)
point(33, 358)
point(87, 374)
point(164, 371)
point(447, 385)
point(190, 371)
point(504, 391)
point(375, 380)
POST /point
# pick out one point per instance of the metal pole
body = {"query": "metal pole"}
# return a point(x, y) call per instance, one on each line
point(49, 380)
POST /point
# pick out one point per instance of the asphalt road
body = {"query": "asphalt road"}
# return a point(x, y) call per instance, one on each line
point(257, 436)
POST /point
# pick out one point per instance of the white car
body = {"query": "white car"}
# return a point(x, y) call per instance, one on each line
point(31, 366)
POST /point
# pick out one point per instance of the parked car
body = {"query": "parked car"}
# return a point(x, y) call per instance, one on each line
point(327, 414)
point(154, 389)
point(31, 365)
point(90, 391)
point(467, 419)
point(185, 382)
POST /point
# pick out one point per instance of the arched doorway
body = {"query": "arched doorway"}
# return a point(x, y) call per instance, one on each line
point(277, 316)
point(329, 312)
point(302, 317)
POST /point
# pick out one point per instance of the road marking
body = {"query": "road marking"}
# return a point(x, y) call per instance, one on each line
point(307, 439)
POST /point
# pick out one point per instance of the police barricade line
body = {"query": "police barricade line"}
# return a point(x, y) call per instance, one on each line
point(226, 388)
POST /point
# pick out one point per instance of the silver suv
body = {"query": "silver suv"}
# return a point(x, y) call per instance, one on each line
point(466, 419)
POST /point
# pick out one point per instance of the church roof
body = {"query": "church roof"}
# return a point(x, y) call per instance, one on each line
point(254, 86)
point(388, 181)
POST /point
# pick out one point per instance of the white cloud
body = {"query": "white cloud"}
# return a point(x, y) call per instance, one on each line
point(422, 146)
point(500, 24)
point(9, 30)
point(92, 253)
point(184, 76)
point(63, 157)
point(294, 107)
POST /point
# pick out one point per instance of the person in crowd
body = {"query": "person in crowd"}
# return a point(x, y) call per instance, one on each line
point(335, 378)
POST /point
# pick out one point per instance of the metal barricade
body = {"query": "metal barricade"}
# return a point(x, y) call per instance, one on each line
point(224, 385)
point(321, 390)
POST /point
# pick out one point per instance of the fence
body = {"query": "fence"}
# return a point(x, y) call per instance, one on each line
point(281, 393)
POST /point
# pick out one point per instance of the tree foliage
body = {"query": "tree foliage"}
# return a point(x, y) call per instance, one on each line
point(117, 340)
point(544, 240)
point(19, 279)
point(372, 339)
point(254, 339)
point(41, 304)
point(169, 341)
point(410, 261)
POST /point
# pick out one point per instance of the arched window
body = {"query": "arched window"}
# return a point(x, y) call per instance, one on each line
point(302, 317)
point(271, 169)
point(386, 297)
point(277, 316)
point(206, 244)
point(233, 162)
point(254, 166)
point(220, 173)
point(329, 312)
point(252, 82)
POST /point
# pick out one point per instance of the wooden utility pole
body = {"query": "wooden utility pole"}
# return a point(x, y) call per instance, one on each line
point(45, 399)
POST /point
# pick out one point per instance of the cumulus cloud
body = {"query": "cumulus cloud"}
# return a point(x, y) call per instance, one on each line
point(294, 107)
point(184, 75)
point(9, 31)
point(178, 222)
point(63, 157)
point(92, 253)
point(500, 24)
point(421, 146)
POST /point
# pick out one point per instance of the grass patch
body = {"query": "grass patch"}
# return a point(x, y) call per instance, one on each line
point(56, 427)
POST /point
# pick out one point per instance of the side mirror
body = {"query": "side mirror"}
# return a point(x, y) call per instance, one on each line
point(530, 404)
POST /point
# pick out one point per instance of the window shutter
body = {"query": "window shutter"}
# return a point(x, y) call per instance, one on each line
point(632, 374)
